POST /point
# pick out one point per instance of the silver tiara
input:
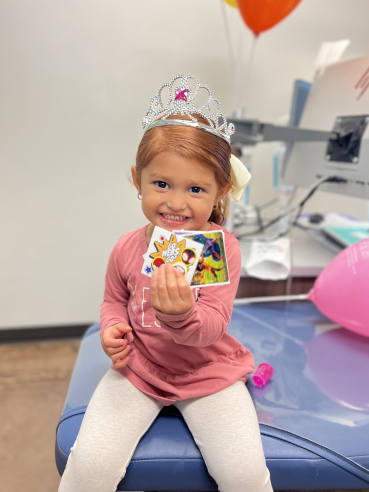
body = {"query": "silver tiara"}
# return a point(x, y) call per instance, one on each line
point(182, 101)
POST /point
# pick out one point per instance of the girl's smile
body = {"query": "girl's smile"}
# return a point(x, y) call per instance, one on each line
point(172, 220)
point(177, 192)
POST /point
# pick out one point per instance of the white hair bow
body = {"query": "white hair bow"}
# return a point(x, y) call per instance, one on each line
point(240, 178)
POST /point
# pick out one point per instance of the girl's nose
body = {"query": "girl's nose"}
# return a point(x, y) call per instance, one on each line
point(176, 202)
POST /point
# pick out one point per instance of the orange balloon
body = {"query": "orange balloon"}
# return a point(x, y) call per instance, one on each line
point(260, 15)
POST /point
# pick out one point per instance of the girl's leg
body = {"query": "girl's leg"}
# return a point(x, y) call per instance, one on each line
point(226, 430)
point(116, 418)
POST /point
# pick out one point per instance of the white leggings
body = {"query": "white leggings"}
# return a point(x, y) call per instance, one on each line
point(224, 426)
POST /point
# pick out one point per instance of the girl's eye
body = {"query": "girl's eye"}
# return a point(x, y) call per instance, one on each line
point(196, 189)
point(161, 184)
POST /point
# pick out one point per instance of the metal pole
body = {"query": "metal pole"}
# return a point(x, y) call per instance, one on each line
point(254, 300)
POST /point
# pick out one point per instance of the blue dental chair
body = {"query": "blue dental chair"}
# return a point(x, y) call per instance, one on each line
point(313, 414)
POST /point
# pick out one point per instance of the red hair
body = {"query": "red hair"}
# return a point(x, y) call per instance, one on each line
point(195, 144)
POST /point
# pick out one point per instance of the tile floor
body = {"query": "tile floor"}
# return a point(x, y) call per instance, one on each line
point(34, 379)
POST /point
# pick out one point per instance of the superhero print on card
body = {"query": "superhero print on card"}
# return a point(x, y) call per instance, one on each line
point(212, 268)
point(165, 247)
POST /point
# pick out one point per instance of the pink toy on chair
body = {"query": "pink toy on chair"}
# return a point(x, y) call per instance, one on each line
point(263, 373)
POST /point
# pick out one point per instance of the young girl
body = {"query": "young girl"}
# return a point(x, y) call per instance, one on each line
point(169, 343)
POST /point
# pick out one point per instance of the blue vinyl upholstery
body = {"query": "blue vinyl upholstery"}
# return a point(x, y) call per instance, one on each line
point(313, 414)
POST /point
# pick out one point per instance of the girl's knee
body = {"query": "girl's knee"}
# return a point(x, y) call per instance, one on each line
point(88, 471)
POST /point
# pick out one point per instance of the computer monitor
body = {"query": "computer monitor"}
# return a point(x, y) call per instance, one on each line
point(338, 102)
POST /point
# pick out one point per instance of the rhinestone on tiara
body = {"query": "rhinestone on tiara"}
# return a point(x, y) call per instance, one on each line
point(182, 101)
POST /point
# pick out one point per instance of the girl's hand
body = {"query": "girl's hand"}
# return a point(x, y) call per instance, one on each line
point(170, 293)
point(114, 346)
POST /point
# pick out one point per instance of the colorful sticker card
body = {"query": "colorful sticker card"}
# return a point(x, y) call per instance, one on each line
point(212, 268)
point(165, 247)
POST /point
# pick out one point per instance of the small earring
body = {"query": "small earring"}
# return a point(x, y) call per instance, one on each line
point(139, 196)
point(215, 206)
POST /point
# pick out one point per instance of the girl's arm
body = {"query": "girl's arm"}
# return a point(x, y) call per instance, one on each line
point(116, 295)
point(208, 319)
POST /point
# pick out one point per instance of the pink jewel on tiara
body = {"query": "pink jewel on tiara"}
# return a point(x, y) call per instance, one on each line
point(181, 95)
point(181, 100)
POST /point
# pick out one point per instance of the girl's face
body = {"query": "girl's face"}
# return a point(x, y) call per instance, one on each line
point(177, 193)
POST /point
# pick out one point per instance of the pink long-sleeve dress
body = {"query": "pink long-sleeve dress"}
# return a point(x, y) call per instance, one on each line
point(174, 357)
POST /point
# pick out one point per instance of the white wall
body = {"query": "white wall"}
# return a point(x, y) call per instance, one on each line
point(76, 80)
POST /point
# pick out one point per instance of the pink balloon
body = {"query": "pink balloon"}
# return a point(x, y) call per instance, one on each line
point(341, 292)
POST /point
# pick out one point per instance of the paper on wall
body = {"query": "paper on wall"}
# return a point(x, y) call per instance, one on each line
point(329, 52)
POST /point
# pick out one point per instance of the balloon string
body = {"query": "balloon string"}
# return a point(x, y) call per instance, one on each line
point(245, 81)
point(238, 76)
point(228, 37)
point(237, 81)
